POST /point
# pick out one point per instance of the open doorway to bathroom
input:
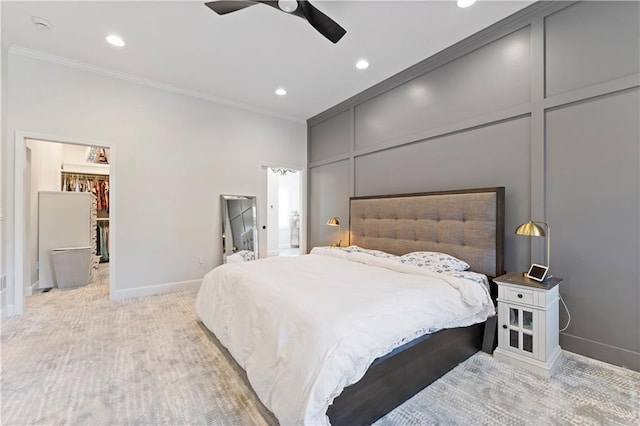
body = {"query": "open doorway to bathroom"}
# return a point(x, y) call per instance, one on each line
point(283, 211)
point(66, 215)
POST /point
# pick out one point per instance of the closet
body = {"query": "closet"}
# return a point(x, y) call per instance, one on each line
point(67, 197)
point(98, 185)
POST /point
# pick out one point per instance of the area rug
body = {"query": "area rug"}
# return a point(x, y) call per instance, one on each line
point(76, 358)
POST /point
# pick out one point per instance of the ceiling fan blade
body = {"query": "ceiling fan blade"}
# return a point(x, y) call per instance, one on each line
point(321, 22)
point(305, 10)
point(223, 7)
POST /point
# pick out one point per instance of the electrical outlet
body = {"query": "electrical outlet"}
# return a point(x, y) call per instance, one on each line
point(201, 261)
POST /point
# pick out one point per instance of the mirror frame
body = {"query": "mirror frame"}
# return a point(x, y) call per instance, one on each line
point(224, 199)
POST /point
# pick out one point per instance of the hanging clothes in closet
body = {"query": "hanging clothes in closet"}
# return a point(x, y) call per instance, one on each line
point(103, 241)
point(98, 185)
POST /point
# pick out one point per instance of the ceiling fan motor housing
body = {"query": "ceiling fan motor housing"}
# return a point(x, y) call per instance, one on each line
point(302, 9)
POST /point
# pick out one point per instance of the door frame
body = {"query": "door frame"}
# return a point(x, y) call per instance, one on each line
point(19, 245)
point(263, 205)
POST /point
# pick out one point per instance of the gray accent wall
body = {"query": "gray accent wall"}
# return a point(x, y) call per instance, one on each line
point(590, 43)
point(332, 138)
point(592, 195)
point(497, 75)
point(545, 103)
point(447, 162)
point(329, 180)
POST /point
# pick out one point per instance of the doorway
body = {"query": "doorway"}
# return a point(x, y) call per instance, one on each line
point(66, 195)
point(67, 204)
point(284, 211)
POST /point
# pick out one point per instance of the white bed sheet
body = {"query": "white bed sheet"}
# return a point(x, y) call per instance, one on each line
point(306, 327)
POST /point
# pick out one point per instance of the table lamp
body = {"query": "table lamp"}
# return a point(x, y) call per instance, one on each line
point(533, 229)
point(335, 221)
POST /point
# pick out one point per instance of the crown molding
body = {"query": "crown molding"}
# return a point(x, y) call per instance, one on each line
point(83, 66)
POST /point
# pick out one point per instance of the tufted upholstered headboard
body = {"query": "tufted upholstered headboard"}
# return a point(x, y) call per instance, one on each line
point(247, 240)
point(467, 224)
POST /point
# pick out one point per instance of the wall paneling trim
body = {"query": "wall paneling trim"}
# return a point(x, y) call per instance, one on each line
point(552, 116)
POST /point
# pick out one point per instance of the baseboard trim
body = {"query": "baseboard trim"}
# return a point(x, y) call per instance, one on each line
point(32, 289)
point(155, 289)
point(600, 351)
point(7, 311)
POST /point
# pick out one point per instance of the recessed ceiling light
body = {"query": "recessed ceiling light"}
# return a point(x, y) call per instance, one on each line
point(465, 3)
point(280, 91)
point(362, 64)
point(115, 40)
point(41, 23)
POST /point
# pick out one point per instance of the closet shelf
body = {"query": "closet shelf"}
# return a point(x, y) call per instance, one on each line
point(103, 219)
point(86, 168)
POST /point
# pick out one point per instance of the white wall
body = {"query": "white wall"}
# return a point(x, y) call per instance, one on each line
point(75, 154)
point(46, 158)
point(284, 197)
point(289, 196)
point(172, 156)
point(273, 233)
point(289, 193)
point(76, 160)
point(5, 293)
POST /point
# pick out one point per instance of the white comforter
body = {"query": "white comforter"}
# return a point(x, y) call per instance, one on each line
point(305, 327)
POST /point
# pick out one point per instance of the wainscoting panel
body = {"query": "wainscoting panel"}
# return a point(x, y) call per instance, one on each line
point(591, 42)
point(329, 197)
point(546, 104)
point(495, 155)
point(593, 191)
point(330, 138)
point(492, 78)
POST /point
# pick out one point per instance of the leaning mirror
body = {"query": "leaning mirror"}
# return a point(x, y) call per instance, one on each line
point(239, 231)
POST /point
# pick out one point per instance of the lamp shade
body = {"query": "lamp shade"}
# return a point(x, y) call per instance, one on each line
point(535, 229)
point(334, 221)
point(531, 229)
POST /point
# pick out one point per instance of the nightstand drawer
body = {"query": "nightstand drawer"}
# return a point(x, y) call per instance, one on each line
point(521, 296)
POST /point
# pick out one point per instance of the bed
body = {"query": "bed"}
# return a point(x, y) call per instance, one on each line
point(306, 363)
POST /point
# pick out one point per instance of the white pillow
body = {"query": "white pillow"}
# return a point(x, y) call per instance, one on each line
point(376, 253)
point(434, 261)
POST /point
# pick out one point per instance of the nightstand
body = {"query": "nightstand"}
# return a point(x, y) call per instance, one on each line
point(528, 322)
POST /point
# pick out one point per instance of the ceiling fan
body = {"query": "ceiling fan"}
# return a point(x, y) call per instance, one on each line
point(300, 8)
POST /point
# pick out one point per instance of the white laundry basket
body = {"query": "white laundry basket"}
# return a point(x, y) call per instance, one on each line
point(71, 266)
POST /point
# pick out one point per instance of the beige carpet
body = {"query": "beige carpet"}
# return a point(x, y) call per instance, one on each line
point(76, 358)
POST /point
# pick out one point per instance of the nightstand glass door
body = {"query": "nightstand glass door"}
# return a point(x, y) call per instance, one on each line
point(520, 329)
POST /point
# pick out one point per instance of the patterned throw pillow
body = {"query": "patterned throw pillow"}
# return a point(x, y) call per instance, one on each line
point(247, 255)
point(434, 261)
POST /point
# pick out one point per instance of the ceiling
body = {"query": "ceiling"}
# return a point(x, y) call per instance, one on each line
point(242, 57)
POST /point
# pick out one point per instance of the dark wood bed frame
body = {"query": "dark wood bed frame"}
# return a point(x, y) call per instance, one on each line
point(396, 377)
